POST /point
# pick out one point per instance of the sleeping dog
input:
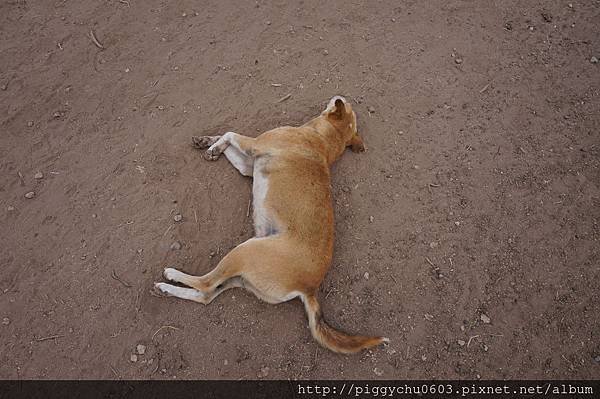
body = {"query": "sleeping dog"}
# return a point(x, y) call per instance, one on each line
point(293, 218)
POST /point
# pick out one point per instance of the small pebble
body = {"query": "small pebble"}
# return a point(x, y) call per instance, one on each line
point(30, 195)
point(94, 215)
point(325, 52)
point(38, 176)
point(30, 123)
point(371, 219)
point(371, 109)
point(133, 358)
point(458, 60)
point(485, 318)
point(10, 208)
point(140, 349)
point(6, 321)
point(264, 372)
point(597, 359)
point(393, 19)
point(184, 15)
point(366, 275)
point(433, 244)
point(4, 87)
point(594, 60)
point(176, 246)
point(378, 372)
point(177, 217)
point(268, 22)
point(461, 342)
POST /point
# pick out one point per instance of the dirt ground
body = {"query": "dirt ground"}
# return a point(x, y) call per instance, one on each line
point(467, 233)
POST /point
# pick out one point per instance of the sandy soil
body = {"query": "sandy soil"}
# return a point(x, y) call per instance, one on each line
point(468, 233)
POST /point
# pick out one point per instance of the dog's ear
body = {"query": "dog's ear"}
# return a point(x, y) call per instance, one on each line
point(339, 109)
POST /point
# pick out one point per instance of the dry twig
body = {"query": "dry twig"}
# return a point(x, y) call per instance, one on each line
point(114, 275)
point(95, 40)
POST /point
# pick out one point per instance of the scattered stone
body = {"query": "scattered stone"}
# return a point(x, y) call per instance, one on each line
point(378, 372)
point(508, 25)
point(176, 246)
point(371, 219)
point(140, 349)
point(366, 275)
point(10, 208)
point(184, 14)
point(264, 372)
point(4, 87)
point(462, 328)
point(393, 19)
point(371, 109)
point(594, 60)
point(485, 318)
point(133, 358)
point(428, 317)
point(177, 217)
point(461, 342)
point(531, 28)
point(94, 215)
point(38, 176)
point(268, 22)
point(433, 244)
point(423, 358)
point(30, 195)
point(325, 52)
point(458, 60)
point(6, 321)
point(597, 359)
point(30, 123)
point(547, 17)
point(457, 223)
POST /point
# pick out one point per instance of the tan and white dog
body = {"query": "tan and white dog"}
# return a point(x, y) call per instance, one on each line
point(293, 218)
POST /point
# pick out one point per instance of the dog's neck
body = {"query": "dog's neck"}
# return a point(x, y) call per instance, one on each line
point(333, 138)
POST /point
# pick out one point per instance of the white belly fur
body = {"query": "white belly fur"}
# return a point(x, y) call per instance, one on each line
point(264, 224)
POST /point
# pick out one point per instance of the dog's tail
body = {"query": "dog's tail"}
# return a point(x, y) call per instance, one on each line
point(330, 338)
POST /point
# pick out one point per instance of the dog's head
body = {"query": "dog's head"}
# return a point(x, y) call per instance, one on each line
point(340, 114)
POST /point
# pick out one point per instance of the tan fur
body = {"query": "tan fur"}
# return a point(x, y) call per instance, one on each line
point(293, 217)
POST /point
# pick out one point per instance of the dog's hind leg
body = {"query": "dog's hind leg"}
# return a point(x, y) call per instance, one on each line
point(245, 259)
point(193, 294)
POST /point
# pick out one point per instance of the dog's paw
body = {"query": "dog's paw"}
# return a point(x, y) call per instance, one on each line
point(202, 142)
point(172, 274)
point(162, 289)
point(212, 154)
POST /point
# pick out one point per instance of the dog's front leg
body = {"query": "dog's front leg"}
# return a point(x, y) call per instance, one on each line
point(237, 148)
